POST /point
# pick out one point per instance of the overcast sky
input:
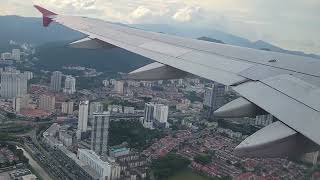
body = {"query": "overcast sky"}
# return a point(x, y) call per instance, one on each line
point(291, 24)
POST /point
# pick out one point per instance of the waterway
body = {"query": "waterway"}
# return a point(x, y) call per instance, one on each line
point(41, 172)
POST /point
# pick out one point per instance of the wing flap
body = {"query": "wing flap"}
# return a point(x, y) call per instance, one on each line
point(291, 112)
point(164, 48)
point(297, 89)
point(217, 62)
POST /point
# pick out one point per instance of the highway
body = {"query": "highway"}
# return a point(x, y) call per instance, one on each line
point(41, 172)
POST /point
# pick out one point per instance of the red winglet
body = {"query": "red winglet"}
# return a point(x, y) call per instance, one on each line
point(46, 15)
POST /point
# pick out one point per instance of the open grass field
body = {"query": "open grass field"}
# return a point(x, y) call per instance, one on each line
point(187, 175)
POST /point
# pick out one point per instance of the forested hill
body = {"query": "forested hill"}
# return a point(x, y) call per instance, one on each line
point(30, 30)
point(53, 56)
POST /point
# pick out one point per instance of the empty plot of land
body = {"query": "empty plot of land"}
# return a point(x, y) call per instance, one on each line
point(5, 176)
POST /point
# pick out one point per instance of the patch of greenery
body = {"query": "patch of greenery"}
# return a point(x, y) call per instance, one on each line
point(146, 99)
point(117, 101)
point(157, 88)
point(167, 166)
point(11, 115)
point(133, 133)
point(17, 152)
point(193, 96)
point(89, 82)
point(203, 159)
point(188, 174)
point(57, 54)
point(243, 128)
point(15, 128)
point(42, 128)
point(6, 137)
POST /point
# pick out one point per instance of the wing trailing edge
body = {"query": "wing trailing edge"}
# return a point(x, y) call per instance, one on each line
point(91, 43)
point(275, 140)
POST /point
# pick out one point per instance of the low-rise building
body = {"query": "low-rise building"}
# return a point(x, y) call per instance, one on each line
point(128, 110)
point(22, 174)
point(74, 165)
point(6, 56)
point(131, 160)
point(116, 151)
point(29, 177)
point(115, 109)
point(52, 142)
point(52, 130)
point(106, 167)
point(65, 138)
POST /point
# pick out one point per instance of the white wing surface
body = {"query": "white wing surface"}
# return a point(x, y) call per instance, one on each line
point(286, 86)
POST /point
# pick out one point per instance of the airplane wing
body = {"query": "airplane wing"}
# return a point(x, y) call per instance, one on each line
point(286, 86)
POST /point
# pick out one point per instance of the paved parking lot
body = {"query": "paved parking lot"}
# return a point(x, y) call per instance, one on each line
point(5, 176)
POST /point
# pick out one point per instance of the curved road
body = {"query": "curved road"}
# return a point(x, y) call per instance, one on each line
point(35, 165)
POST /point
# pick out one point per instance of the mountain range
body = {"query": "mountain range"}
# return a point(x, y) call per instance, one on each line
point(220, 36)
point(30, 30)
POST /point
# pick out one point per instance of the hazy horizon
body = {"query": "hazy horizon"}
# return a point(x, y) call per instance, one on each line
point(294, 28)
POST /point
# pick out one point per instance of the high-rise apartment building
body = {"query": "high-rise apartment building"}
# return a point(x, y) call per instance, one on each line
point(155, 115)
point(83, 116)
point(148, 115)
point(28, 74)
point(56, 81)
point(99, 135)
point(47, 103)
point(214, 98)
point(264, 120)
point(161, 113)
point(119, 87)
point(21, 102)
point(13, 84)
point(208, 97)
point(96, 107)
point(16, 54)
point(67, 107)
point(70, 85)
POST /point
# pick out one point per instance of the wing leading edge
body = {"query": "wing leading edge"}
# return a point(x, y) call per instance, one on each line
point(283, 85)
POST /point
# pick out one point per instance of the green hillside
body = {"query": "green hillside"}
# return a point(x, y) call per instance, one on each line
point(55, 55)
